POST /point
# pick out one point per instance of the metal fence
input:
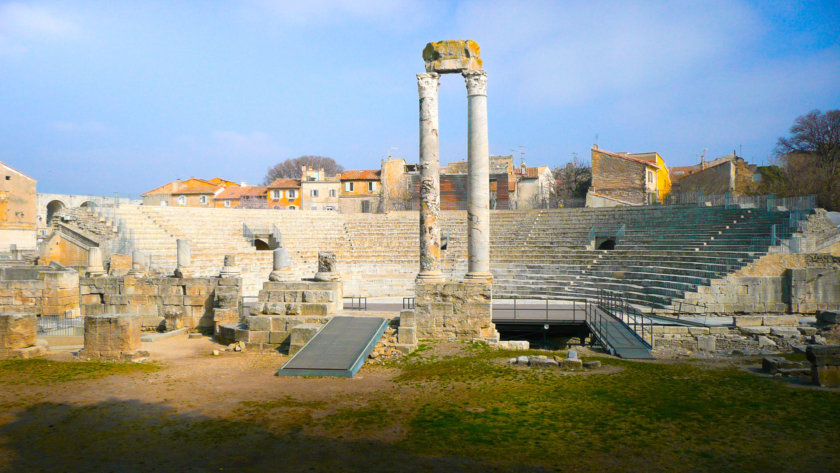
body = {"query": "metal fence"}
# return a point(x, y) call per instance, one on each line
point(356, 303)
point(60, 326)
point(618, 306)
point(768, 202)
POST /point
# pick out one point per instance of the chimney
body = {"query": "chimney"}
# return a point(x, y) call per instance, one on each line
point(243, 183)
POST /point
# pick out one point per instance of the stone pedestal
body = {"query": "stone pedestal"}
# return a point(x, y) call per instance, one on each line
point(95, 267)
point(281, 269)
point(184, 258)
point(112, 337)
point(825, 364)
point(327, 270)
point(478, 200)
point(18, 336)
point(230, 270)
point(453, 311)
point(138, 268)
point(429, 166)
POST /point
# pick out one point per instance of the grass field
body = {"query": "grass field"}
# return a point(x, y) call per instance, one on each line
point(463, 411)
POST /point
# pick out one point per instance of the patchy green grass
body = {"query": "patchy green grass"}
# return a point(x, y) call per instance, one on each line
point(657, 416)
point(39, 371)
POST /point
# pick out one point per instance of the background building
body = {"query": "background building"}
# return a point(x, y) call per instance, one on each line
point(192, 192)
point(360, 191)
point(251, 197)
point(729, 174)
point(318, 191)
point(18, 209)
point(284, 193)
point(627, 179)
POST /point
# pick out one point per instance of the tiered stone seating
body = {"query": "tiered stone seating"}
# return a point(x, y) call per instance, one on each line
point(664, 252)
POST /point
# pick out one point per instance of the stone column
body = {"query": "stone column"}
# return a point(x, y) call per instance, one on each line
point(136, 264)
point(95, 267)
point(478, 154)
point(229, 270)
point(281, 268)
point(427, 86)
point(184, 257)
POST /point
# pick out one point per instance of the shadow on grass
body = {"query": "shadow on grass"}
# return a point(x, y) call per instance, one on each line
point(132, 436)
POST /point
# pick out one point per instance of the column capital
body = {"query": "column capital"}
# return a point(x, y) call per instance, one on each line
point(428, 84)
point(476, 82)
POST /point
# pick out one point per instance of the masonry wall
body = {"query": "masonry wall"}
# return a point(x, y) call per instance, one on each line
point(716, 180)
point(63, 251)
point(154, 298)
point(618, 178)
point(799, 291)
point(39, 291)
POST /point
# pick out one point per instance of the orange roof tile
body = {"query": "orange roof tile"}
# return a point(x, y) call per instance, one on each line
point(285, 183)
point(361, 175)
point(237, 192)
point(628, 157)
point(190, 186)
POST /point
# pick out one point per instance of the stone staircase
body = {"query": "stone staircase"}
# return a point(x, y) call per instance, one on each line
point(664, 253)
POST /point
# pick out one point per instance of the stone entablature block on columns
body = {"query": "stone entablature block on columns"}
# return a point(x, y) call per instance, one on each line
point(452, 56)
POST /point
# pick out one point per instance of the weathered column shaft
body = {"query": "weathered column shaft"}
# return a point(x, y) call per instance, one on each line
point(183, 253)
point(427, 86)
point(95, 258)
point(478, 155)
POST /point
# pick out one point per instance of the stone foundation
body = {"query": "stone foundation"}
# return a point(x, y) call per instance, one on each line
point(286, 315)
point(111, 337)
point(39, 290)
point(17, 336)
point(450, 311)
point(825, 365)
point(171, 302)
point(749, 340)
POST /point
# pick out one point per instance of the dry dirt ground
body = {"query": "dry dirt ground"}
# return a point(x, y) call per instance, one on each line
point(193, 414)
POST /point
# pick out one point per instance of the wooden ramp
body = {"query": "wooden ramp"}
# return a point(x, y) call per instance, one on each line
point(339, 349)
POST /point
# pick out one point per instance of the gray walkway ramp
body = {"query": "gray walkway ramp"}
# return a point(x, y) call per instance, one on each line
point(614, 334)
point(339, 349)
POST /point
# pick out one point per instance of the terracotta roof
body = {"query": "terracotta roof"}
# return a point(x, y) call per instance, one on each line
point(190, 186)
point(222, 182)
point(285, 183)
point(237, 192)
point(682, 171)
point(531, 172)
point(361, 175)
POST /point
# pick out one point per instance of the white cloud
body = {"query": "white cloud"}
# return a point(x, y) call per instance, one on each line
point(78, 127)
point(24, 25)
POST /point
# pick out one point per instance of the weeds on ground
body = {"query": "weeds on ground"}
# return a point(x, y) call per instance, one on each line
point(38, 371)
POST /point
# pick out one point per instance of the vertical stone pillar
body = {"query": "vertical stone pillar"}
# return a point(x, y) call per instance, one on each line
point(427, 86)
point(184, 257)
point(95, 267)
point(478, 154)
point(229, 270)
point(281, 268)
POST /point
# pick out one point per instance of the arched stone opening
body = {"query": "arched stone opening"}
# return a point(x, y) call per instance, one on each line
point(261, 245)
point(52, 208)
point(606, 244)
point(86, 204)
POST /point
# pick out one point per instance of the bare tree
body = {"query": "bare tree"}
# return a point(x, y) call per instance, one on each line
point(810, 157)
point(291, 168)
point(573, 181)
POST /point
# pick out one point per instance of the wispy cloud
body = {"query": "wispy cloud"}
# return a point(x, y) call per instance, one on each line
point(23, 25)
point(78, 127)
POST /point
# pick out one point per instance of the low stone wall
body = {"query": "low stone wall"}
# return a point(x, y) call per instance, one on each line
point(744, 340)
point(111, 337)
point(39, 290)
point(188, 302)
point(450, 311)
point(799, 291)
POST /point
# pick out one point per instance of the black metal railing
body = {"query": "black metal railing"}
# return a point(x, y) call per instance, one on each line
point(356, 303)
point(543, 312)
point(617, 306)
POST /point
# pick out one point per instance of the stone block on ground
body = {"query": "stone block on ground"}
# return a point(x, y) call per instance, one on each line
point(825, 364)
point(111, 336)
point(300, 335)
point(17, 330)
point(571, 363)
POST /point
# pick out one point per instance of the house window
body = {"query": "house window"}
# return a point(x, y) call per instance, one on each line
point(275, 195)
point(329, 207)
point(227, 203)
point(314, 192)
point(348, 187)
point(332, 194)
point(182, 200)
point(292, 207)
point(650, 177)
point(291, 194)
point(372, 186)
point(203, 200)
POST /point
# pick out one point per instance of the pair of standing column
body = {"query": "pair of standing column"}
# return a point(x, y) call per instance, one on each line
point(478, 200)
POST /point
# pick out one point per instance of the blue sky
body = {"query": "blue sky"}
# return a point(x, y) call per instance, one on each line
point(98, 97)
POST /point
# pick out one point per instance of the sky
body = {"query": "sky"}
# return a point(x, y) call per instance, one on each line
point(113, 96)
